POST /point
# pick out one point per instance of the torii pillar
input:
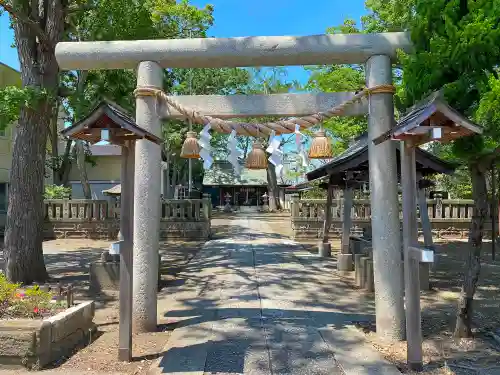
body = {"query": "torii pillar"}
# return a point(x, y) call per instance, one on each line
point(147, 203)
point(386, 237)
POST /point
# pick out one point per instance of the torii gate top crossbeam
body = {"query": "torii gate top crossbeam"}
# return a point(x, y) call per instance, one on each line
point(231, 52)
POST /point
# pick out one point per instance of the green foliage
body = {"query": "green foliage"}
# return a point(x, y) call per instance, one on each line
point(57, 192)
point(341, 78)
point(7, 290)
point(457, 48)
point(12, 98)
point(456, 44)
point(388, 15)
point(31, 302)
point(488, 111)
point(314, 193)
point(458, 185)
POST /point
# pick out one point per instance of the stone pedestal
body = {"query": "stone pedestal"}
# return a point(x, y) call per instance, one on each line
point(345, 263)
point(358, 276)
point(369, 282)
point(105, 273)
point(324, 249)
point(362, 271)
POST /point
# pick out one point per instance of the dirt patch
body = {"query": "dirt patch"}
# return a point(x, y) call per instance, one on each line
point(68, 262)
point(443, 354)
point(101, 354)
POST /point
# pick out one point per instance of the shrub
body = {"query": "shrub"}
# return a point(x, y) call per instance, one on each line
point(30, 302)
point(57, 192)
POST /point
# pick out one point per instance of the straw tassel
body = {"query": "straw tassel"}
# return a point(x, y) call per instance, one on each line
point(190, 147)
point(257, 158)
point(321, 148)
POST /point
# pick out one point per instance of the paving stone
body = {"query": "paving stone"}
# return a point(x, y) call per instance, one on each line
point(250, 305)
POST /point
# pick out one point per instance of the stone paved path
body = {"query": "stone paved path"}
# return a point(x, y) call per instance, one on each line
point(258, 304)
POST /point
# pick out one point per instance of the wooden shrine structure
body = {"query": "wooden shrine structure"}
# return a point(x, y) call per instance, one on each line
point(432, 119)
point(109, 122)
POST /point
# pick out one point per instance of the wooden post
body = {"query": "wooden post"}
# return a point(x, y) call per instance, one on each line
point(427, 230)
point(324, 247)
point(345, 260)
point(411, 267)
point(346, 220)
point(126, 256)
point(328, 213)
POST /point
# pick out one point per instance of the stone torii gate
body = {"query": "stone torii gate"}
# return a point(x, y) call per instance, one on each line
point(150, 57)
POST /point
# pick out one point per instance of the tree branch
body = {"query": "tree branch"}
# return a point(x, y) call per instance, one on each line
point(35, 27)
point(80, 8)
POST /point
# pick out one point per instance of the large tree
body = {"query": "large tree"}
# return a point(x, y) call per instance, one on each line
point(457, 50)
point(38, 27)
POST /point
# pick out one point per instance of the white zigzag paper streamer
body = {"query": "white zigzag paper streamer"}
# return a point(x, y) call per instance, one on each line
point(233, 153)
point(206, 150)
point(301, 152)
point(276, 157)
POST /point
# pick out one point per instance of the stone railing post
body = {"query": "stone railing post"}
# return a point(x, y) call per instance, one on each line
point(294, 206)
point(207, 206)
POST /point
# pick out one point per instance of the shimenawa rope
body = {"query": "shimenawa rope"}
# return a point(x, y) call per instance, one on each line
point(252, 129)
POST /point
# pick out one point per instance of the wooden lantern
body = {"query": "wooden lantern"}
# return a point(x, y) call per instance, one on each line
point(190, 147)
point(257, 158)
point(321, 147)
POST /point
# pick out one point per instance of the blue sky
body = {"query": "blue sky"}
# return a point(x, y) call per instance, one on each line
point(249, 18)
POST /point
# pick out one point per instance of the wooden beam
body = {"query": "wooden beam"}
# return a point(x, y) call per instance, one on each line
point(346, 220)
point(328, 213)
point(278, 105)
point(231, 52)
point(412, 266)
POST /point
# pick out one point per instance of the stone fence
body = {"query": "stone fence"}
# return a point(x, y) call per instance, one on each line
point(450, 218)
point(98, 219)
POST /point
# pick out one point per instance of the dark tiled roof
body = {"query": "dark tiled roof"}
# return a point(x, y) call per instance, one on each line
point(434, 104)
point(355, 158)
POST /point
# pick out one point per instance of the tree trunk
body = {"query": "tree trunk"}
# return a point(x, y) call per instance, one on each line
point(82, 169)
point(54, 146)
point(272, 187)
point(39, 71)
point(65, 167)
point(463, 327)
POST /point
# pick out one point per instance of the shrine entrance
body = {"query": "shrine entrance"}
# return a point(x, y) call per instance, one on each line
point(297, 111)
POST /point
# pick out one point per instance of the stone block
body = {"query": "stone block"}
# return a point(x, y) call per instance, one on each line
point(358, 277)
point(105, 274)
point(369, 280)
point(362, 270)
point(344, 263)
point(324, 249)
point(36, 343)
